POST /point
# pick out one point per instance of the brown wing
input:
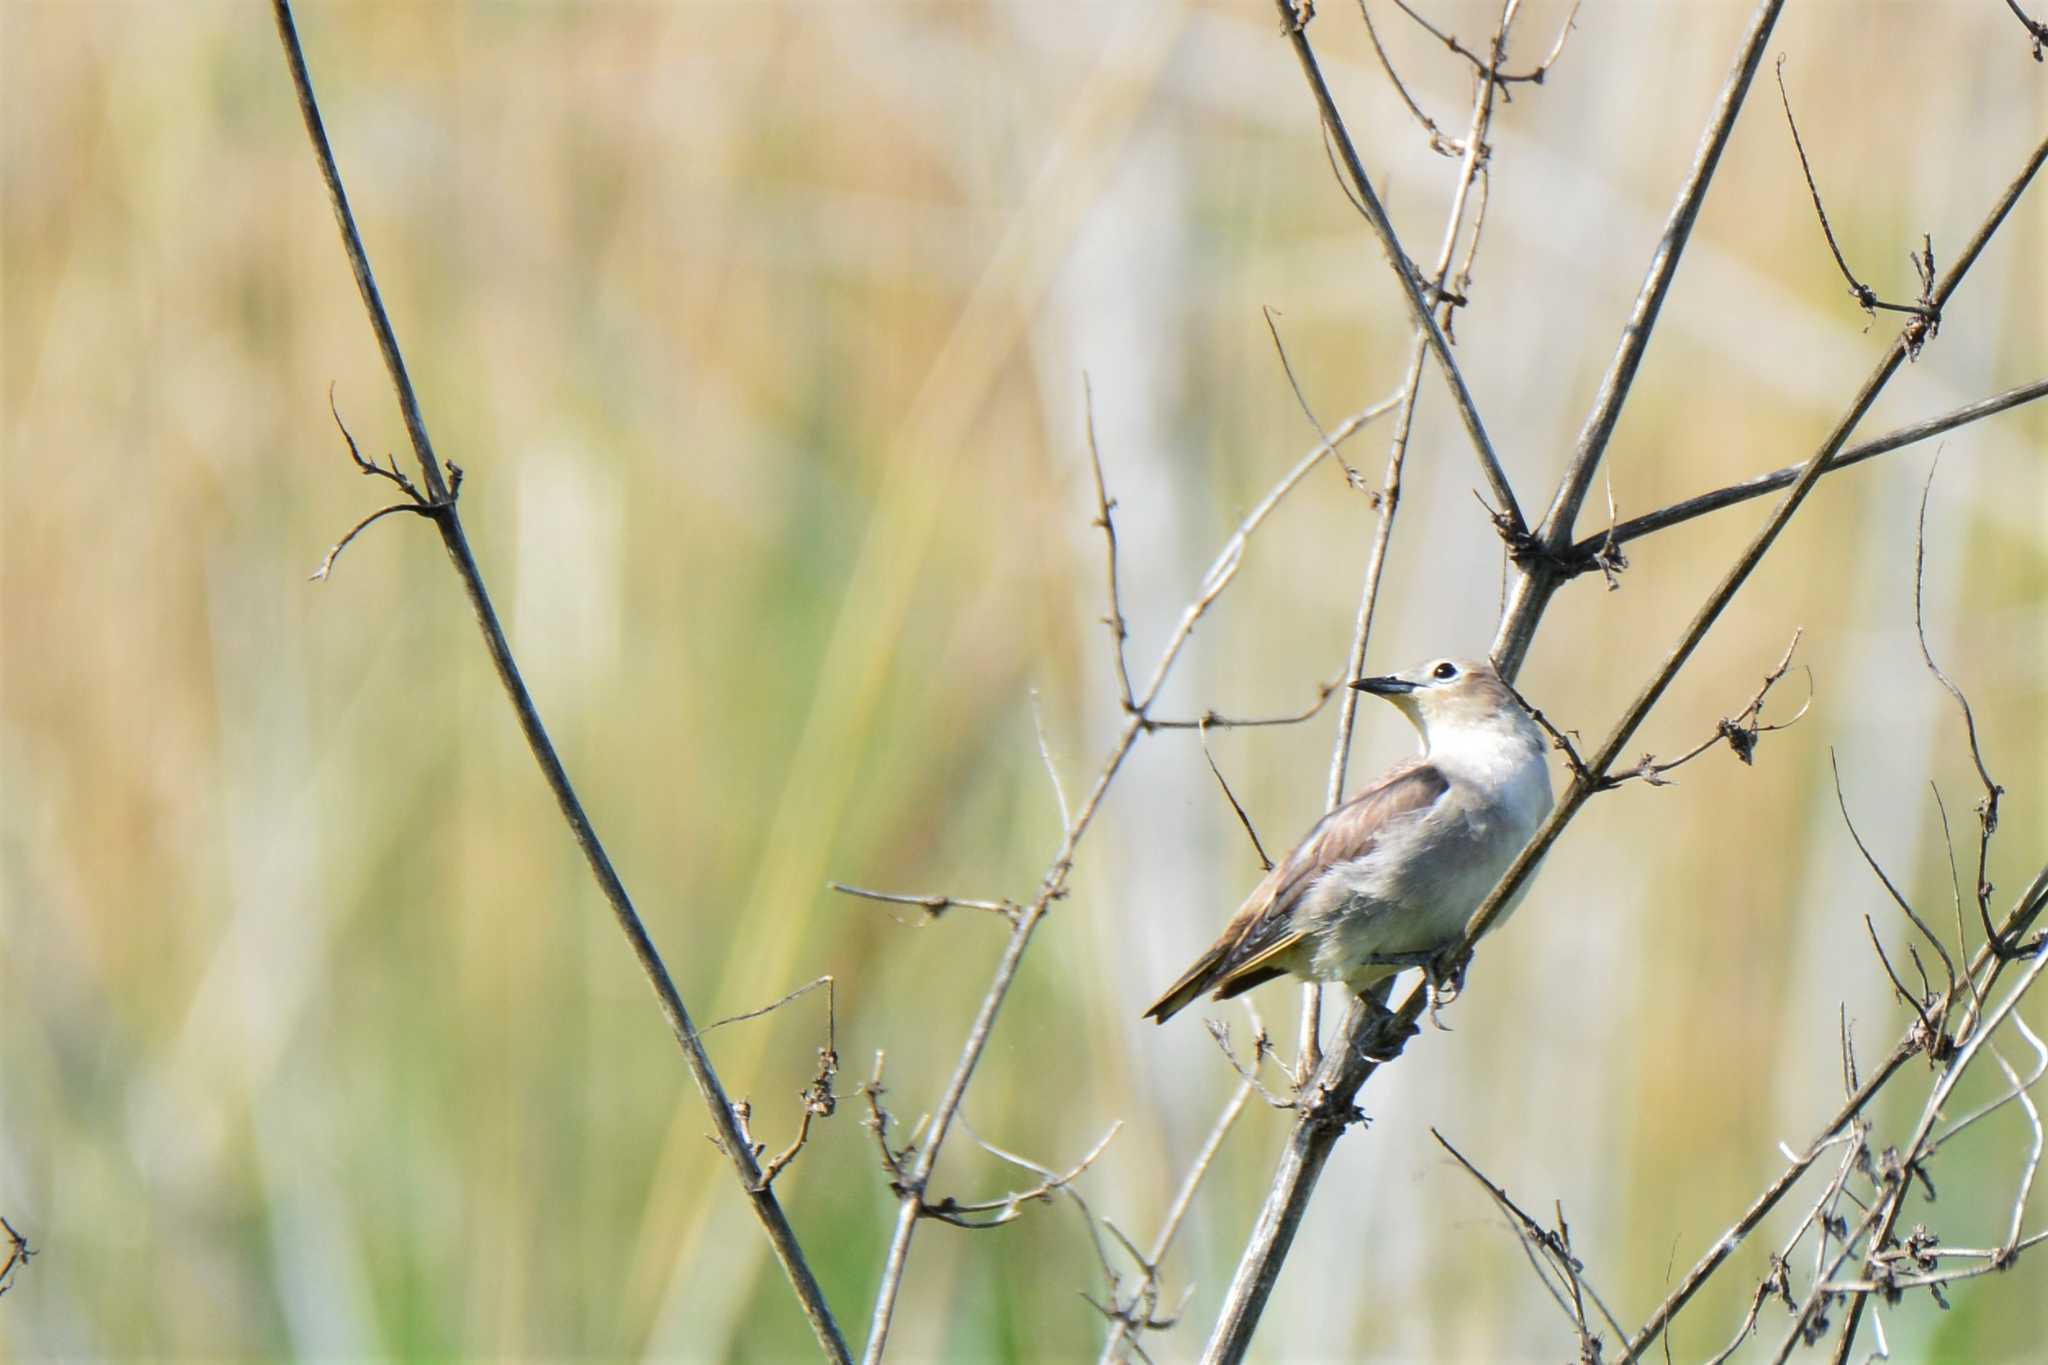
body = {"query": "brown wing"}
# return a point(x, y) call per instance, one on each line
point(1263, 929)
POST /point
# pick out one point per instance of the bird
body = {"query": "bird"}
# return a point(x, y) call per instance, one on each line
point(1390, 877)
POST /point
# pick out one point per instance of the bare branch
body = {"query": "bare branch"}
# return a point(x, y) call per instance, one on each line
point(1438, 143)
point(1552, 1246)
point(1141, 1312)
point(448, 521)
point(1265, 862)
point(1866, 297)
point(327, 562)
point(1262, 1048)
point(18, 1254)
point(1059, 790)
point(1007, 1207)
point(1104, 506)
point(934, 906)
point(1390, 245)
point(1917, 1003)
point(1351, 476)
point(1987, 809)
point(1216, 720)
point(1739, 732)
point(1830, 1134)
point(1584, 556)
point(1491, 70)
point(2036, 30)
point(1904, 905)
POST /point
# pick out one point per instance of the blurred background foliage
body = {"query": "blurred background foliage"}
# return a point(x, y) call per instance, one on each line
point(760, 330)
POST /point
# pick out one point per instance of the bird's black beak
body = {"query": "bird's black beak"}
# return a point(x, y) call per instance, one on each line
point(1384, 687)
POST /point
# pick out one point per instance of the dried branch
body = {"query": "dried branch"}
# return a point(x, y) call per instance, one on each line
point(1985, 960)
point(1537, 576)
point(1491, 70)
point(1052, 771)
point(1438, 143)
point(1777, 1282)
point(1884, 1216)
point(448, 521)
point(1262, 1048)
point(817, 1098)
point(933, 906)
point(1938, 1041)
point(1546, 1246)
point(1739, 732)
point(417, 503)
point(18, 1254)
point(1586, 555)
point(1216, 720)
point(1390, 244)
point(1987, 809)
point(1265, 861)
point(1866, 297)
point(1104, 506)
point(2036, 30)
point(1007, 1207)
point(1351, 476)
point(1140, 1313)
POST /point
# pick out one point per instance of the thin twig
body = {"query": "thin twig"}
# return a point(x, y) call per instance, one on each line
point(1130, 1320)
point(1904, 905)
point(449, 522)
point(1006, 1208)
point(1490, 70)
point(1555, 1246)
point(1390, 244)
point(1739, 732)
point(18, 1254)
point(1866, 297)
point(1351, 476)
point(1262, 1048)
point(1105, 506)
point(934, 906)
point(1987, 809)
point(1052, 770)
point(1265, 861)
point(2036, 30)
point(1584, 557)
point(1216, 720)
point(1438, 143)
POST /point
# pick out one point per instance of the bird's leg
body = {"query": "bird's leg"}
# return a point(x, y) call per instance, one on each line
point(1386, 1035)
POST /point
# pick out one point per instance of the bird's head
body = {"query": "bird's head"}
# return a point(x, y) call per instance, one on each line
point(1448, 695)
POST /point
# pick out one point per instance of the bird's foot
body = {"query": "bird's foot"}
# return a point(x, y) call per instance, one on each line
point(1442, 968)
point(1386, 1033)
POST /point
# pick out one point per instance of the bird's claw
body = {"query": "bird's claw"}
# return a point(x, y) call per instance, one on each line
point(1386, 1033)
point(1442, 968)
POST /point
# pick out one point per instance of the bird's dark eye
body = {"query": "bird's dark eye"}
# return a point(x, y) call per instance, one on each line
point(1445, 670)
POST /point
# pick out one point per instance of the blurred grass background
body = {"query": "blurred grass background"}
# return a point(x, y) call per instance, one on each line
point(760, 331)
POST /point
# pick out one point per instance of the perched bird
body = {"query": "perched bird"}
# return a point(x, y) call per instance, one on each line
point(1393, 874)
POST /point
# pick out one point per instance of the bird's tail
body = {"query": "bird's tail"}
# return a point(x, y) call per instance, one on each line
point(1193, 982)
